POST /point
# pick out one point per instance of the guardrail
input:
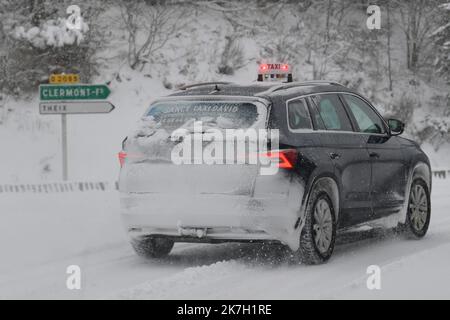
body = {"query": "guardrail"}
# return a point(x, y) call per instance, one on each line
point(443, 174)
point(58, 187)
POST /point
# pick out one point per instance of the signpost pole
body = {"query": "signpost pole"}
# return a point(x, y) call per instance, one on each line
point(64, 146)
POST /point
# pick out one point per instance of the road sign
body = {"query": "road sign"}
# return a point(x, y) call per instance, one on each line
point(60, 107)
point(54, 92)
point(64, 99)
point(59, 78)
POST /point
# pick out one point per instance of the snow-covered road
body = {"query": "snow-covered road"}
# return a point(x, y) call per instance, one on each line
point(42, 234)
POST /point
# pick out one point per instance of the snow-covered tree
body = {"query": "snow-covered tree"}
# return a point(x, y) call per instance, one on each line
point(36, 41)
point(417, 20)
point(441, 37)
point(149, 27)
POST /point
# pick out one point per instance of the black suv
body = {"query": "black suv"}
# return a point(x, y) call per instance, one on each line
point(341, 166)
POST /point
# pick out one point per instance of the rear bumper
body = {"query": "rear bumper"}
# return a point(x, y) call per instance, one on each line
point(216, 217)
point(211, 235)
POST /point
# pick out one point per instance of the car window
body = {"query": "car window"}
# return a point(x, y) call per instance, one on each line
point(315, 116)
point(172, 115)
point(366, 118)
point(332, 112)
point(298, 115)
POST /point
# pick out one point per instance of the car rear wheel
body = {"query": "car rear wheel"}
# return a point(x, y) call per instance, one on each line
point(152, 247)
point(419, 211)
point(319, 232)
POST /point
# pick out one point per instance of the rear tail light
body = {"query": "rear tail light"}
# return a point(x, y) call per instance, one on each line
point(284, 158)
point(122, 156)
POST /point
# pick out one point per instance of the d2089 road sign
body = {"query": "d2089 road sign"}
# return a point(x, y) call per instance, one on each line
point(60, 78)
point(73, 92)
point(60, 107)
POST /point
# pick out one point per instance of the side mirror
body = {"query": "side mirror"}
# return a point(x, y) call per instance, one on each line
point(396, 126)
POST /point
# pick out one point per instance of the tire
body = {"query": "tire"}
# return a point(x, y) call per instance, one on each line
point(315, 248)
point(152, 247)
point(418, 214)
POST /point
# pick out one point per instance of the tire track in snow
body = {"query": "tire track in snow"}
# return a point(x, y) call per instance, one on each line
point(181, 285)
point(203, 265)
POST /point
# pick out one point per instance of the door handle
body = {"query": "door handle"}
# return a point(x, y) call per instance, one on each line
point(334, 155)
point(374, 155)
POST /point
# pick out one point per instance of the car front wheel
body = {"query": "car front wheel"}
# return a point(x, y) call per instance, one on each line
point(419, 210)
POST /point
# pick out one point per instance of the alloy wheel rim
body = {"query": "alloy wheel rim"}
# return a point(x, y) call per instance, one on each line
point(323, 226)
point(418, 206)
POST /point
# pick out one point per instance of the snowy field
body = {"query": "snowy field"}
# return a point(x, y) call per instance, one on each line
point(42, 234)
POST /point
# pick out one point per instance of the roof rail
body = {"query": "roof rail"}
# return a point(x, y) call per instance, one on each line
point(289, 85)
point(203, 84)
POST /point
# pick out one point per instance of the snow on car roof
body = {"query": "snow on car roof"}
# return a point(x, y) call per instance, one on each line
point(223, 89)
point(260, 89)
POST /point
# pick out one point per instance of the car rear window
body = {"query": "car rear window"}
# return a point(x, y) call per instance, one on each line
point(219, 114)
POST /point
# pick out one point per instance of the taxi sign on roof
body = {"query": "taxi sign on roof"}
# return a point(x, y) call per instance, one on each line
point(274, 67)
point(274, 72)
